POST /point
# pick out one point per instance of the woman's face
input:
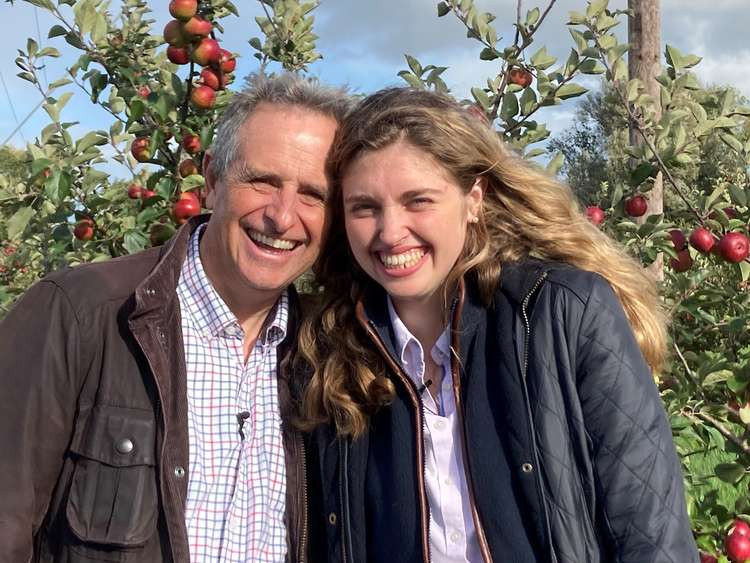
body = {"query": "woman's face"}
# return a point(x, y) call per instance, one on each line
point(406, 220)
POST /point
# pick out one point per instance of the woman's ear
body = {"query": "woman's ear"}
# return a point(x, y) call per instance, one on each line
point(474, 199)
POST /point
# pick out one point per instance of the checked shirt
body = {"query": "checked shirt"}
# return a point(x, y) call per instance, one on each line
point(236, 473)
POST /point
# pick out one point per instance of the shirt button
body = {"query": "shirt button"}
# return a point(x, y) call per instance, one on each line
point(447, 482)
point(440, 424)
point(455, 536)
point(234, 524)
point(527, 468)
point(124, 446)
point(179, 472)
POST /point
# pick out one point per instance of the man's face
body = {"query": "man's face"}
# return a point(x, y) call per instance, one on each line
point(269, 210)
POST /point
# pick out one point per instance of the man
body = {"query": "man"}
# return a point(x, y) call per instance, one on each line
point(144, 415)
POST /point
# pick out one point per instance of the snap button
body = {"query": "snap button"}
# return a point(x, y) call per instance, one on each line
point(150, 292)
point(527, 468)
point(332, 518)
point(162, 334)
point(124, 446)
point(179, 472)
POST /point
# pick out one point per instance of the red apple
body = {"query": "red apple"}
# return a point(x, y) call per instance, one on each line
point(678, 239)
point(173, 34)
point(520, 76)
point(730, 212)
point(207, 52)
point(147, 194)
point(683, 262)
point(734, 247)
point(84, 229)
point(702, 240)
point(227, 61)
point(183, 9)
point(185, 207)
point(134, 191)
point(708, 558)
point(143, 91)
point(211, 79)
point(141, 149)
point(203, 97)
point(191, 143)
point(636, 206)
point(595, 214)
point(178, 55)
point(737, 547)
point(740, 527)
point(197, 27)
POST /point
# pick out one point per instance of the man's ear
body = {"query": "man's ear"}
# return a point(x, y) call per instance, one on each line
point(210, 179)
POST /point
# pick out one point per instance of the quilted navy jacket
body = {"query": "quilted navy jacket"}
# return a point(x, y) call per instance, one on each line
point(552, 387)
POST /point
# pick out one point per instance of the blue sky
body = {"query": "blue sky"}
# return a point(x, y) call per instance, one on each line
point(363, 43)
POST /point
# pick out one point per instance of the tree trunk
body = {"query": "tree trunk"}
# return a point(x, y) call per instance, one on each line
point(644, 36)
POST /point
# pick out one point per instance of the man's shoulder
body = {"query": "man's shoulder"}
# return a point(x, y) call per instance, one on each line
point(93, 283)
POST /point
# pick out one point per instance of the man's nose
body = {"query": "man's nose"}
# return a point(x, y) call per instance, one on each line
point(281, 210)
point(393, 227)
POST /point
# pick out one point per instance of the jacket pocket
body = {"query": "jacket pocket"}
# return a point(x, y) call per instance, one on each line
point(113, 496)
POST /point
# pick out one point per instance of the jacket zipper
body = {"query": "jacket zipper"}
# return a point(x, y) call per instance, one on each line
point(413, 394)
point(527, 338)
point(456, 380)
point(302, 547)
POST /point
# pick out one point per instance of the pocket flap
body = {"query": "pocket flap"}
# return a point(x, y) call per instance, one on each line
point(120, 437)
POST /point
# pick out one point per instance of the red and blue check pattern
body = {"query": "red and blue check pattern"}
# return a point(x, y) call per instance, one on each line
point(236, 486)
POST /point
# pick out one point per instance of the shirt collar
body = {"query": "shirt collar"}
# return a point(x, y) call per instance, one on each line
point(210, 314)
point(405, 339)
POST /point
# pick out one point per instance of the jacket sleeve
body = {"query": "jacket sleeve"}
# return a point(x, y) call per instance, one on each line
point(39, 385)
point(636, 467)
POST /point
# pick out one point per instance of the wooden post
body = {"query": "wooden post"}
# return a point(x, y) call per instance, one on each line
point(644, 36)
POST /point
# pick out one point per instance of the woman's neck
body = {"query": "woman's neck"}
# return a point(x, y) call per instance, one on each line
point(424, 319)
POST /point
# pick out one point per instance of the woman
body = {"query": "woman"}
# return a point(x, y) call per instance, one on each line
point(481, 384)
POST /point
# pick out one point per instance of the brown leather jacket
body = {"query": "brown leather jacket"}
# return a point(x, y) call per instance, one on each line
point(93, 434)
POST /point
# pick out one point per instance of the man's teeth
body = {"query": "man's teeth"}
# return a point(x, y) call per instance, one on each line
point(281, 244)
point(404, 260)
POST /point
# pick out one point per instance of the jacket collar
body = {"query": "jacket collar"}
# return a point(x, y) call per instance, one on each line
point(158, 288)
point(517, 279)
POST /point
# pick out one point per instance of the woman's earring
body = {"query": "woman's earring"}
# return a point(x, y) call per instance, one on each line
point(474, 219)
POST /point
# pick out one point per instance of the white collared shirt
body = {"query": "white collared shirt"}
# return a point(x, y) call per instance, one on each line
point(236, 485)
point(453, 537)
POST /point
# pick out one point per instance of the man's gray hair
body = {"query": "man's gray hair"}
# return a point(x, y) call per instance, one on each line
point(283, 89)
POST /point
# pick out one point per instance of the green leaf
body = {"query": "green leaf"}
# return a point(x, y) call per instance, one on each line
point(414, 65)
point(578, 37)
point(17, 223)
point(570, 90)
point(46, 4)
point(745, 270)
point(729, 472)
point(481, 97)
point(745, 414)
point(576, 18)
point(92, 138)
point(442, 9)
point(134, 240)
point(509, 107)
point(592, 66)
point(739, 195)
point(528, 101)
point(255, 43)
point(488, 54)
point(596, 7)
point(411, 80)
point(542, 59)
point(673, 56)
point(640, 173)
point(56, 31)
point(732, 141)
point(532, 16)
point(57, 187)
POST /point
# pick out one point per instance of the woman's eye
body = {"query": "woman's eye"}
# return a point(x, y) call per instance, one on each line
point(420, 201)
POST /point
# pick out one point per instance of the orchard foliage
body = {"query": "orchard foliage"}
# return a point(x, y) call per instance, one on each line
point(164, 90)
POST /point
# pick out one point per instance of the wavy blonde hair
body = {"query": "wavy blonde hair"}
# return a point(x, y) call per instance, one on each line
point(525, 212)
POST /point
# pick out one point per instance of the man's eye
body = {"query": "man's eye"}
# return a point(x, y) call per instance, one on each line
point(313, 196)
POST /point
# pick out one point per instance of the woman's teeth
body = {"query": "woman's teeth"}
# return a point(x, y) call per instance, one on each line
point(278, 243)
point(404, 260)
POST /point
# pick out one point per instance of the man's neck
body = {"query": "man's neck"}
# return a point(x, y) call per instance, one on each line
point(249, 305)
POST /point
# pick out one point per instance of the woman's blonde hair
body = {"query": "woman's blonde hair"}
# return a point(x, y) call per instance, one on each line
point(525, 212)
